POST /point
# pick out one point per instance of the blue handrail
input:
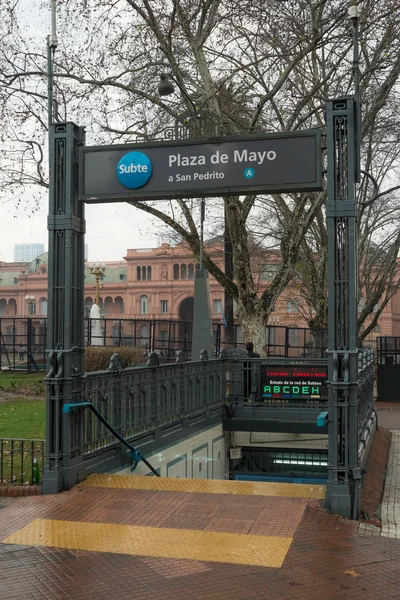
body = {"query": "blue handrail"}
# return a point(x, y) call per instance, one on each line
point(135, 455)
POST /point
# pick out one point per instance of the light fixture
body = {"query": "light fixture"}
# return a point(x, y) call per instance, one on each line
point(166, 87)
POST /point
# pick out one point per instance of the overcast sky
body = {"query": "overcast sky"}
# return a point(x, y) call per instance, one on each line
point(110, 228)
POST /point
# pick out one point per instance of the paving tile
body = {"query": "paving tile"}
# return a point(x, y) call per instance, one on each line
point(208, 486)
point(192, 545)
point(329, 557)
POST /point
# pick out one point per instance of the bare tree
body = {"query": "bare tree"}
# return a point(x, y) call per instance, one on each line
point(257, 64)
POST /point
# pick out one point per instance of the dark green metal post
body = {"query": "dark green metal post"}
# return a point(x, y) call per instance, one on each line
point(65, 332)
point(344, 475)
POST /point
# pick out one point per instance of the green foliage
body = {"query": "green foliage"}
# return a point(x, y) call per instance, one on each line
point(97, 358)
point(22, 418)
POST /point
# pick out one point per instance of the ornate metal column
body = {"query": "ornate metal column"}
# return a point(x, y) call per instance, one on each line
point(344, 474)
point(65, 330)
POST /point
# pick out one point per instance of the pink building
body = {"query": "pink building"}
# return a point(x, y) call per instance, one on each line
point(155, 283)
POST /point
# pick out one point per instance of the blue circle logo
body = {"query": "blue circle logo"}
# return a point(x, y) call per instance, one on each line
point(248, 173)
point(134, 170)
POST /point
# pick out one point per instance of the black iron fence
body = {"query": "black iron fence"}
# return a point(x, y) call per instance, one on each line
point(23, 343)
point(388, 367)
point(17, 461)
point(281, 341)
point(166, 337)
point(23, 340)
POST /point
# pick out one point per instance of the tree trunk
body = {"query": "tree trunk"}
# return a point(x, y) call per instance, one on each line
point(254, 329)
point(320, 344)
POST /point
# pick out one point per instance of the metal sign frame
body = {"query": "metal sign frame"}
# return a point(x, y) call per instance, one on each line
point(191, 190)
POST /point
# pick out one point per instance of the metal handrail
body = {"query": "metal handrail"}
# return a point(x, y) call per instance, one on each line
point(135, 455)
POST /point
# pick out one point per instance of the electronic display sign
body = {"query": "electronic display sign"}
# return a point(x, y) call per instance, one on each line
point(299, 382)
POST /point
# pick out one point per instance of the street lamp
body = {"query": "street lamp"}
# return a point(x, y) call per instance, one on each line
point(97, 269)
point(31, 302)
point(166, 88)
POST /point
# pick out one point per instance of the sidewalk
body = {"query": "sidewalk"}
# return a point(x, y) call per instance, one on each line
point(175, 539)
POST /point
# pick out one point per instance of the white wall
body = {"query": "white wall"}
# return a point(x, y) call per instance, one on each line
point(203, 456)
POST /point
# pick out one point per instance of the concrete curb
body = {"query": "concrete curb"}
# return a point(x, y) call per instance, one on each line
point(18, 491)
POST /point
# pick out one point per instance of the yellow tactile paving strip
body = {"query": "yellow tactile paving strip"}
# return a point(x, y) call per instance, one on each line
point(257, 550)
point(207, 486)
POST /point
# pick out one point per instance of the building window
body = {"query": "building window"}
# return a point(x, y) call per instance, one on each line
point(377, 328)
point(144, 305)
point(148, 273)
point(122, 276)
point(268, 272)
point(43, 307)
point(138, 273)
point(164, 306)
point(183, 271)
point(143, 273)
point(218, 307)
point(176, 271)
point(119, 305)
point(292, 306)
point(164, 338)
point(191, 271)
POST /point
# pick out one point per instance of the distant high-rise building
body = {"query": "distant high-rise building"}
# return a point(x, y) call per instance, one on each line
point(27, 252)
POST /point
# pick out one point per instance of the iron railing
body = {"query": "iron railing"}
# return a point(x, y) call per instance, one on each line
point(280, 462)
point(23, 343)
point(281, 341)
point(166, 337)
point(17, 460)
point(23, 340)
point(365, 388)
point(140, 399)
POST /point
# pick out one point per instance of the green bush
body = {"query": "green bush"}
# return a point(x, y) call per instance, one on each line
point(97, 358)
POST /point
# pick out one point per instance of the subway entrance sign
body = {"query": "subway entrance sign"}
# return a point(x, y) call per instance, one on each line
point(301, 382)
point(220, 166)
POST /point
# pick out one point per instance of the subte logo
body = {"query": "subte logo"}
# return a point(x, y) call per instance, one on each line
point(134, 170)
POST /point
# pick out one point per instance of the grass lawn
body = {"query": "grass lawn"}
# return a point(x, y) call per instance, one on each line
point(22, 418)
point(29, 383)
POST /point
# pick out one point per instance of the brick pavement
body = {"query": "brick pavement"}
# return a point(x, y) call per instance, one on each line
point(391, 495)
point(327, 558)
